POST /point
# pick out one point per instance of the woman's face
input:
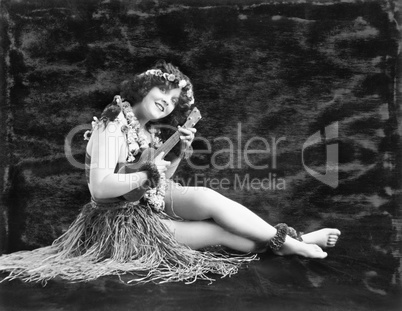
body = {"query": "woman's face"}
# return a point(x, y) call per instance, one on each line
point(160, 102)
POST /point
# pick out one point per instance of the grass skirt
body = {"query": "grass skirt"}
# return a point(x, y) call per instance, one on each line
point(123, 238)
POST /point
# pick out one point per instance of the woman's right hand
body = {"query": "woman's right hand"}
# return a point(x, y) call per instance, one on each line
point(161, 164)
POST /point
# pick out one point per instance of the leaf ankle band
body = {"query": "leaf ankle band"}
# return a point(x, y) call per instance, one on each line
point(277, 241)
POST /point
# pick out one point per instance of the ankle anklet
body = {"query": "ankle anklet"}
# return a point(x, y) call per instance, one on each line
point(293, 233)
point(277, 241)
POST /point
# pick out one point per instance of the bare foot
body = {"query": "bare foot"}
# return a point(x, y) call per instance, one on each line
point(325, 237)
point(294, 247)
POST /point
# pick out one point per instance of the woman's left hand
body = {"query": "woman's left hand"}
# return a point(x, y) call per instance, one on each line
point(187, 135)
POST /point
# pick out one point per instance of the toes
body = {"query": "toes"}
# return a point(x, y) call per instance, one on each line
point(332, 241)
point(333, 237)
point(320, 253)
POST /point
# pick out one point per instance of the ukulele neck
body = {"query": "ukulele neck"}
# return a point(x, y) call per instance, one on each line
point(169, 144)
point(191, 121)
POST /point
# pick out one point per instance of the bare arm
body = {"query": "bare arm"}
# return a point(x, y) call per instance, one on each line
point(109, 148)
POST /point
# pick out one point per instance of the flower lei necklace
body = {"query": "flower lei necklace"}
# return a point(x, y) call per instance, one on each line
point(137, 141)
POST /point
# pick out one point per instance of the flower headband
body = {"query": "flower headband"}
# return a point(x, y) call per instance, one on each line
point(183, 84)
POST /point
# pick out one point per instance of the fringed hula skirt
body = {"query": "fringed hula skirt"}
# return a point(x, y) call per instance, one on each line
point(125, 238)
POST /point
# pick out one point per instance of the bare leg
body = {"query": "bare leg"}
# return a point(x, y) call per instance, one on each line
point(200, 203)
point(199, 234)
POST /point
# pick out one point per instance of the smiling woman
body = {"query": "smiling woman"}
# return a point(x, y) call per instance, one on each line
point(157, 104)
point(162, 236)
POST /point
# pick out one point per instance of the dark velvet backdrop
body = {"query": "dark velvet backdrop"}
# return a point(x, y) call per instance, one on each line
point(267, 77)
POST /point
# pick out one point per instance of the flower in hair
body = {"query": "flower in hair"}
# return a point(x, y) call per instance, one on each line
point(182, 83)
point(171, 77)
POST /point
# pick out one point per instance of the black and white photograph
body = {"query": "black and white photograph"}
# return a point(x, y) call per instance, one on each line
point(200, 155)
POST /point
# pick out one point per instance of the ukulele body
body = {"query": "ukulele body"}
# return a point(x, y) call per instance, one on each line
point(149, 155)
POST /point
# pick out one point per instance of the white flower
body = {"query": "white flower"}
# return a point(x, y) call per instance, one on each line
point(144, 145)
point(182, 83)
point(189, 93)
point(130, 158)
point(87, 135)
point(171, 77)
point(133, 147)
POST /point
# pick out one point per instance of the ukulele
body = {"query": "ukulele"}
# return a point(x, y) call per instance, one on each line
point(149, 155)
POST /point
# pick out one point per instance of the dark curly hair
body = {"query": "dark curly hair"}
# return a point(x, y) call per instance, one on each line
point(135, 89)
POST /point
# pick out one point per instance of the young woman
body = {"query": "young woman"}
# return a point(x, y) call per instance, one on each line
point(165, 235)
